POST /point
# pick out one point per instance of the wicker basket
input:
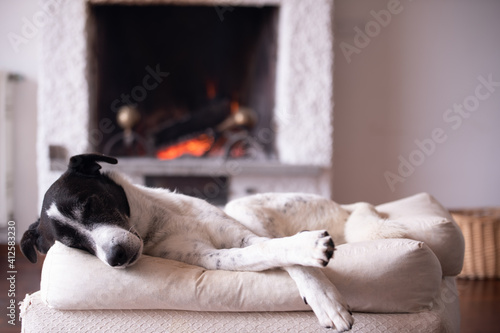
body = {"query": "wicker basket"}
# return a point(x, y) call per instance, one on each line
point(481, 229)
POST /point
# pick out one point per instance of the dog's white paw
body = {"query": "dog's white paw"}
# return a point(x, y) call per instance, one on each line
point(312, 248)
point(326, 301)
point(331, 312)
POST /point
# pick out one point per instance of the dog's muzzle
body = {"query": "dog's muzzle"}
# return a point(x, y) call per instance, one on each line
point(120, 256)
point(117, 247)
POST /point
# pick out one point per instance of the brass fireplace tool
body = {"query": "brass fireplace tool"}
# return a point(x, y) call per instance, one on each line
point(127, 117)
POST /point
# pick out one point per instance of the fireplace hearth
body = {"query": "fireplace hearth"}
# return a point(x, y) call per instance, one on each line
point(134, 79)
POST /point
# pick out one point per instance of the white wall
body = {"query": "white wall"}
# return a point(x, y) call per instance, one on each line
point(25, 63)
point(398, 88)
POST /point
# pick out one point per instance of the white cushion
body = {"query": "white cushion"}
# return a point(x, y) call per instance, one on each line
point(393, 275)
point(428, 221)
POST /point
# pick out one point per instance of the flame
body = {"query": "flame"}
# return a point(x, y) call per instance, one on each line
point(211, 89)
point(238, 151)
point(234, 106)
point(196, 147)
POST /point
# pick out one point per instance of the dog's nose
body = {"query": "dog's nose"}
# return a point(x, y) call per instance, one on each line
point(117, 256)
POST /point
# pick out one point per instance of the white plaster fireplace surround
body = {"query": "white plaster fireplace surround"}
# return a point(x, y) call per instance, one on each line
point(303, 113)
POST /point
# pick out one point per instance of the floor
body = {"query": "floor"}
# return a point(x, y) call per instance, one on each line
point(27, 280)
point(479, 305)
point(479, 300)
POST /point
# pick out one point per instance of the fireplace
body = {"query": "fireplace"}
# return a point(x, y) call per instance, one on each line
point(112, 83)
point(183, 82)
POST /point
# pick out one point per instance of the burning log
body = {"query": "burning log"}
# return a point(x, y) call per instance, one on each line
point(197, 122)
point(195, 147)
point(219, 139)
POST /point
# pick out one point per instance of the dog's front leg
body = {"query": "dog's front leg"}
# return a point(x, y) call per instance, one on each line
point(322, 296)
point(310, 248)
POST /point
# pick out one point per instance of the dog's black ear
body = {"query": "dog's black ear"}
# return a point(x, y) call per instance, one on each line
point(29, 242)
point(86, 164)
point(33, 240)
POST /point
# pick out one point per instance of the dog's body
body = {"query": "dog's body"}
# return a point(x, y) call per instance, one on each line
point(106, 215)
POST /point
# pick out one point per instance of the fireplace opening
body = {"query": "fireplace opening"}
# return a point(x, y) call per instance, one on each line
point(170, 81)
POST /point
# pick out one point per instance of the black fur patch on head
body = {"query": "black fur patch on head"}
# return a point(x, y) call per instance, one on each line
point(36, 239)
point(86, 164)
point(82, 188)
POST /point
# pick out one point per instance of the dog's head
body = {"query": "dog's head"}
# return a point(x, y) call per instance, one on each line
point(87, 210)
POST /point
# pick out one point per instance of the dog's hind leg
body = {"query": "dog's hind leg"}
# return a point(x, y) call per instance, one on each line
point(366, 223)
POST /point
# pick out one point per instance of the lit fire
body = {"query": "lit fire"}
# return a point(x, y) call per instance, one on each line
point(195, 147)
point(203, 143)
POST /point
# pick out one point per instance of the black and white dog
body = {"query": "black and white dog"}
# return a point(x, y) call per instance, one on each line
point(106, 215)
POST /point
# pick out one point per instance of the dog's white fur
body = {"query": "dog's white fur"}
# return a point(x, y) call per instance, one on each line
point(253, 234)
